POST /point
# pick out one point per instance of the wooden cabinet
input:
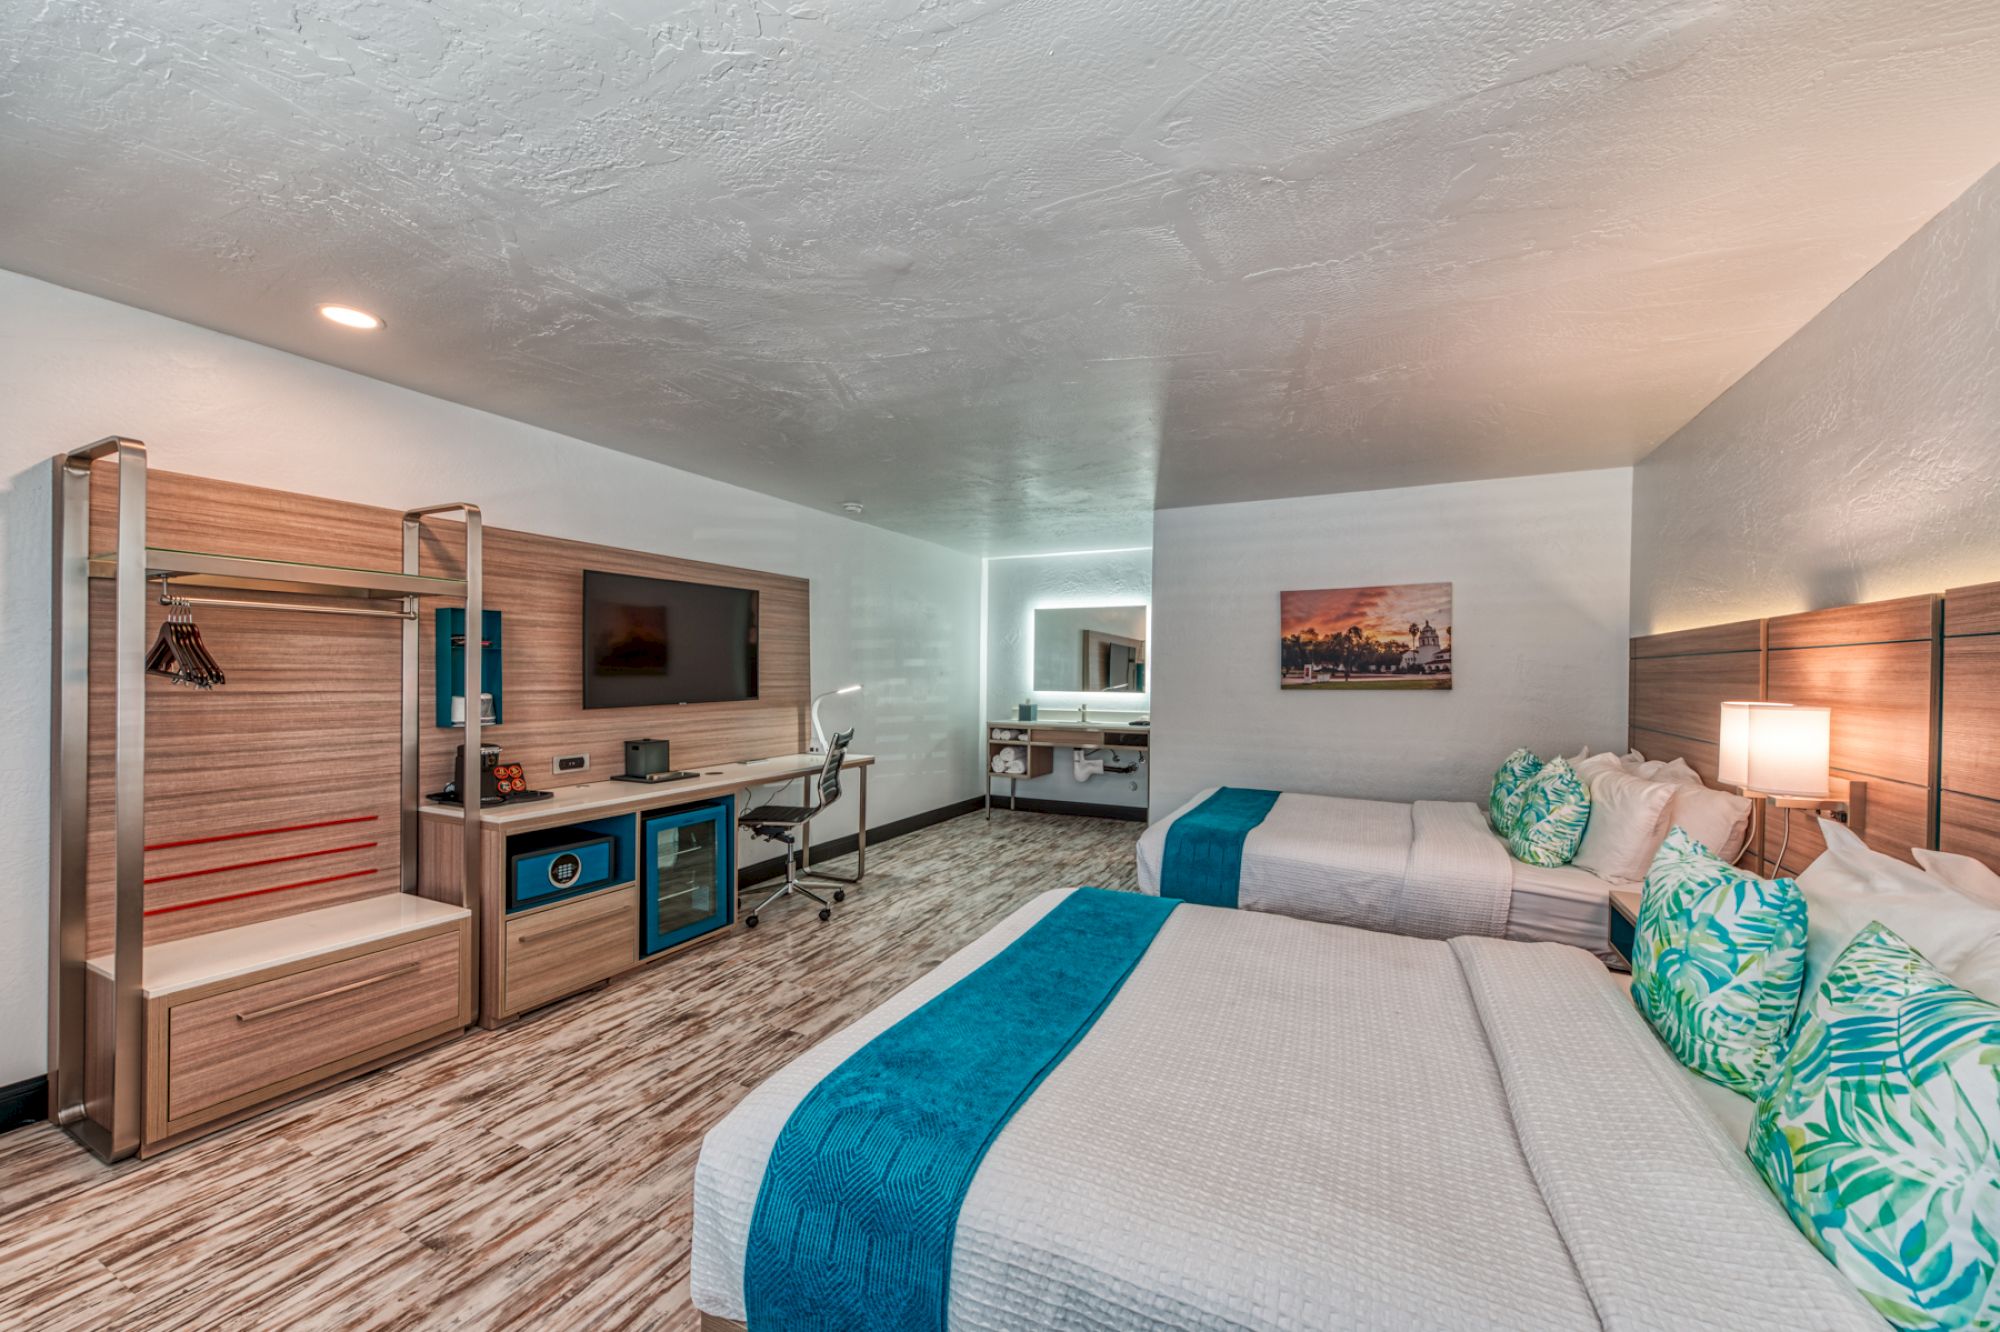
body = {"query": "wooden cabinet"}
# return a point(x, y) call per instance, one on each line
point(561, 949)
point(233, 1046)
point(239, 1020)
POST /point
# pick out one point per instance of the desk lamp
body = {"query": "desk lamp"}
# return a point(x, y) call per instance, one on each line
point(818, 733)
point(1781, 752)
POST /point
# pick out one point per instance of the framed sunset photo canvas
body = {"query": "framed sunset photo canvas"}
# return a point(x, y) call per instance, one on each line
point(1395, 637)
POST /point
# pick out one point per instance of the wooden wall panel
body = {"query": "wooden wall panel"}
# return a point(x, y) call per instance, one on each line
point(1875, 666)
point(1679, 682)
point(1971, 739)
point(299, 749)
point(536, 583)
point(1740, 636)
point(1970, 827)
point(1881, 700)
point(1903, 620)
point(1969, 736)
point(302, 746)
point(1972, 610)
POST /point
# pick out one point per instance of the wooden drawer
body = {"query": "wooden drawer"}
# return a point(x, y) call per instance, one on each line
point(1076, 738)
point(563, 949)
point(262, 1038)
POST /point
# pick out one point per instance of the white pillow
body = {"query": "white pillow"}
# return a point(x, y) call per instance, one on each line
point(1589, 768)
point(1969, 877)
point(1666, 770)
point(1853, 884)
point(1857, 867)
point(1718, 820)
point(1628, 821)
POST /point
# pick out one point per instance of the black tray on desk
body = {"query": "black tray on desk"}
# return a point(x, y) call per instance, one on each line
point(491, 802)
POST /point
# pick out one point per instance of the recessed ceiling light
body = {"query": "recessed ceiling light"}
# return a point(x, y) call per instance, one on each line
point(349, 317)
point(852, 506)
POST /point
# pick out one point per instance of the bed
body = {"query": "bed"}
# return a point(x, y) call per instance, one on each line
point(1283, 1125)
point(1432, 869)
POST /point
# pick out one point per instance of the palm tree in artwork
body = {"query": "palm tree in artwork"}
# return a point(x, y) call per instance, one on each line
point(1356, 642)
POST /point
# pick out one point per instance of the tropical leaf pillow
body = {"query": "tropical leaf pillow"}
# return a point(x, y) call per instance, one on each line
point(1881, 1135)
point(1554, 812)
point(1717, 961)
point(1503, 802)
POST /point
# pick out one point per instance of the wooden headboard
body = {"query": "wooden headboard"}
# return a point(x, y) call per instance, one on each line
point(1969, 770)
point(1914, 688)
point(1680, 682)
point(1876, 667)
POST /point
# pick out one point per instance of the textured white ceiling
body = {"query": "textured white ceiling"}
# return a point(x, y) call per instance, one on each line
point(1009, 271)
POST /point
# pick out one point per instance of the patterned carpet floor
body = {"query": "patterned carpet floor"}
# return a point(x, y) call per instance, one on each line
point(536, 1176)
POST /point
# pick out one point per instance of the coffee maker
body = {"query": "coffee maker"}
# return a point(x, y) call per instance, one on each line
point(498, 782)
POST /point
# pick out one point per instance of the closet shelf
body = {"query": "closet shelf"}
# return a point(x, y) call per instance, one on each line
point(193, 569)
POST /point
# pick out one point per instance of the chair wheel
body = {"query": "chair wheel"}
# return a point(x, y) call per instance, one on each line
point(825, 913)
point(750, 921)
point(840, 894)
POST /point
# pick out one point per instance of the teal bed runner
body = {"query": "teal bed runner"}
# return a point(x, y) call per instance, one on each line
point(1203, 860)
point(855, 1218)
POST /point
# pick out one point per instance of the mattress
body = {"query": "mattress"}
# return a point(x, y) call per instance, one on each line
point(1560, 904)
point(1280, 1125)
point(1366, 862)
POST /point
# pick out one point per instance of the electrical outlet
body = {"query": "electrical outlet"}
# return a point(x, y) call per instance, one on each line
point(568, 763)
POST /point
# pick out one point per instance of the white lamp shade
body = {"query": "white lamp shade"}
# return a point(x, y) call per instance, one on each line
point(1776, 749)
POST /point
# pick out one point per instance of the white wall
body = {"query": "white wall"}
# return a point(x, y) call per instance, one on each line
point(898, 614)
point(1015, 587)
point(1539, 568)
point(1859, 461)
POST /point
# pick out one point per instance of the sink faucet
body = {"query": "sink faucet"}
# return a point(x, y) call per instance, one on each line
point(1083, 709)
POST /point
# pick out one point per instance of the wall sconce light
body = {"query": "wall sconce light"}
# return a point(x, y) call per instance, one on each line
point(1781, 752)
point(819, 733)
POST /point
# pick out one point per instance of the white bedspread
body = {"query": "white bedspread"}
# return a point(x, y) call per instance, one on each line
point(1280, 1125)
point(1432, 869)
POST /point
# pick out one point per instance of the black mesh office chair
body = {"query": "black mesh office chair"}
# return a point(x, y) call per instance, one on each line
point(781, 823)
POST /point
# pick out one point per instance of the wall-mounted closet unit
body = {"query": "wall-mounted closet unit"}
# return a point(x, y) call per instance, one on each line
point(233, 916)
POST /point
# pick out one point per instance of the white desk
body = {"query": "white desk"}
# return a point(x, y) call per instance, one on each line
point(591, 799)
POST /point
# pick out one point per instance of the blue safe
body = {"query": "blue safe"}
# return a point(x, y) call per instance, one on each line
point(564, 863)
point(687, 879)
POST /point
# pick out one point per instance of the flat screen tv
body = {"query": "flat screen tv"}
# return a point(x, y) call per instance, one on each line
point(649, 641)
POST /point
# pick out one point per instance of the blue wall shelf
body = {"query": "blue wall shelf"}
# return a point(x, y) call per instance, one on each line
point(451, 664)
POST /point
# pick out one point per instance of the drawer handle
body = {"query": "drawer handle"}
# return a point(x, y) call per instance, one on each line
point(348, 988)
point(569, 926)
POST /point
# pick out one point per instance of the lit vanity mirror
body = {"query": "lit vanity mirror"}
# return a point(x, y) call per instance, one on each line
point(1088, 649)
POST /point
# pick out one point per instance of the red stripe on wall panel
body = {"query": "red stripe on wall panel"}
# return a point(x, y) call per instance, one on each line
point(269, 860)
point(264, 832)
point(259, 892)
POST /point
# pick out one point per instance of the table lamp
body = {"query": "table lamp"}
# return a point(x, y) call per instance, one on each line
point(819, 733)
point(1782, 752)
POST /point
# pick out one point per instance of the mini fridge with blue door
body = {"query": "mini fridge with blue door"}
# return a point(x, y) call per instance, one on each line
point(687, 861)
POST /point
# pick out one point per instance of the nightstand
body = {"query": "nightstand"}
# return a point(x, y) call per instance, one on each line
point(1624, 921)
